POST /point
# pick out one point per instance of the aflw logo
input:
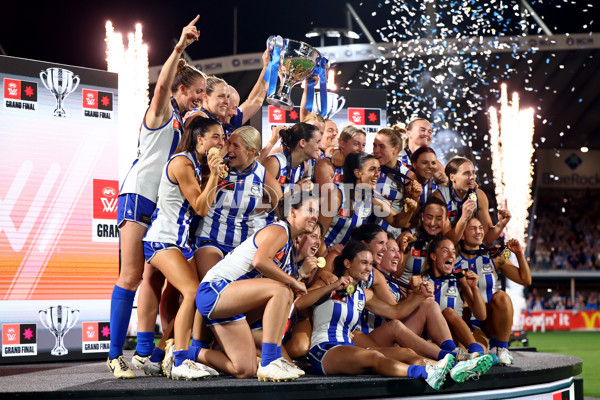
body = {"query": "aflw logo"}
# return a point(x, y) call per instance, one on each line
point(13, 89)
point(109, 205)
point(106, 200)
point(90, 99)
point(11, 335)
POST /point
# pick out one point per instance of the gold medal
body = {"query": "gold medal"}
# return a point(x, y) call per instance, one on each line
point(224, 174)
point(321, 262)
point(310, 188)
point(350, 289)
point(506, 254)
point(473, 196)
point(214, 150)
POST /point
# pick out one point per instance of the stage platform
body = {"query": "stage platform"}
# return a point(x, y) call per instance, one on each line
point(533, 375)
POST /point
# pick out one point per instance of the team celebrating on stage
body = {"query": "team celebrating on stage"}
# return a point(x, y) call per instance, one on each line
point(263, 261)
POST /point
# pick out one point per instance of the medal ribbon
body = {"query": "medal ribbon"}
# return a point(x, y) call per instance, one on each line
point(319, 71)
point(273, 67)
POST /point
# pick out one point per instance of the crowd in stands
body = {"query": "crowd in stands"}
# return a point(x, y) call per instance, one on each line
point(566, 232)
point(585, 300)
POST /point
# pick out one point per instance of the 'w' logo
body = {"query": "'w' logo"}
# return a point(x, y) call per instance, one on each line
point(18, 236)
point(109, 205)
point(12, 91)
point(11, 336)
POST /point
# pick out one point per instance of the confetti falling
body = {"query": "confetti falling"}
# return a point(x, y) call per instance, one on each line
point(425, 77)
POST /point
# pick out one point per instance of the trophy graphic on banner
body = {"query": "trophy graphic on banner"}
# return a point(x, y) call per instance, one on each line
point(61, 82)
point(335, 103)
point(297, 61)
point(59, 320)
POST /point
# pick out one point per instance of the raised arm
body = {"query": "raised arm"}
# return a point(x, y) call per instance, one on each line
point(259, 92)
point(159, 111)
point(520, 275)
point(493, 232)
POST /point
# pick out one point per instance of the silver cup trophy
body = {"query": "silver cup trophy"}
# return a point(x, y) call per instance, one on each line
point(59, 320)
point(297, 61)
point(61, 82)
point(335, 103)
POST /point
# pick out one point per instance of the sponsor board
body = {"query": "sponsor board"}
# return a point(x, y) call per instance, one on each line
point(559, 320)
point(95, 337)
point(19, 340)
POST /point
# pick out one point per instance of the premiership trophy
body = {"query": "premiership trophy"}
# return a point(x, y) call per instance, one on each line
point(335, 103)
point(61, 82)
point(297, 61)
point(59, 320)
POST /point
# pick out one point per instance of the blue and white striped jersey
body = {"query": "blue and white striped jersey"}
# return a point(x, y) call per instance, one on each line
point(171, 219)
point(233, 216)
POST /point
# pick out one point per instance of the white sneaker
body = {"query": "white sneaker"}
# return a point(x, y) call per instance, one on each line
point(294, 368)
point(118, 366)
point(189, 371)
point(504, 357)
point(213, 372)
point(462, 354)
point(152, 368)
point(169, 360)
point(139, 361)
point(471, 368)
point(276, 371)
point(436, 372)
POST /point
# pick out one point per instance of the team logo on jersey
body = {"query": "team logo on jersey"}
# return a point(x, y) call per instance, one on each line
point(21, 95)
point(451, 291)
point(361, 304)
point(486, 269)
point(255, 191)
point(365, 212)
point(343, 212)
point(97, 104)
point(19, 340)
point(95, 337)
point(279, 256)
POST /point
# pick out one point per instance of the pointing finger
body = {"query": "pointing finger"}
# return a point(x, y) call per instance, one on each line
point(194, 20)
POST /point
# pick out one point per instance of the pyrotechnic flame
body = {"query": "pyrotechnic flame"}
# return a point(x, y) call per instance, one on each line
point(512, 149)
point(132, 66)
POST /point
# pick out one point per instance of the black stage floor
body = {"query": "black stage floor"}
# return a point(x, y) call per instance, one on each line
point(531, 375)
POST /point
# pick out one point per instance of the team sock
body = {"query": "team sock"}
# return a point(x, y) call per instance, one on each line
point(180, 357)
point(416, 371)
point(476, 348)
point(496, 343)
point(157, 355)
point(448, 345)
point(269, 353)
point(145, 343)
point(121, 304)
